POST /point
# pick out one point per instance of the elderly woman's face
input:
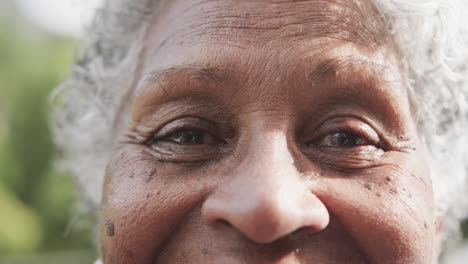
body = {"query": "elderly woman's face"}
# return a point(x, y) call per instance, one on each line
point(267, 132)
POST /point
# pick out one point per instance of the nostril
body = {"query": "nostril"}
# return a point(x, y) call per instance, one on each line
point(302, 230)
point(223, 222)
point(306, 231)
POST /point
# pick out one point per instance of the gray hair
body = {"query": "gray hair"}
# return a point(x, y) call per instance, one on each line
point(430, 35)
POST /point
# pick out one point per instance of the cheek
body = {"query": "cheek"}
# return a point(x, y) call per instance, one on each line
point(144, 201)
point(388, 210)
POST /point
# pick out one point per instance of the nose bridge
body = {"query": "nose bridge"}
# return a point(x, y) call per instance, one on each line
point(267, 172)
point(267, 177)
point(269, 156)
point(265, 197)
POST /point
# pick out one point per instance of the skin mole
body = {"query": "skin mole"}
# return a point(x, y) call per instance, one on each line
point(110, 228)
point(129, 254)
point(369, 186)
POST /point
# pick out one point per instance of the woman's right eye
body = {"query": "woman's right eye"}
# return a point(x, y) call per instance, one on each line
point(187, 141)
point(191, 137)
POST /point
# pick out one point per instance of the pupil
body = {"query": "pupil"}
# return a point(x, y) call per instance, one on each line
point(189, 137)
point(346, 139)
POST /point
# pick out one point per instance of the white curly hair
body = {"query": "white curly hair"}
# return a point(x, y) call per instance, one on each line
point(431, 35)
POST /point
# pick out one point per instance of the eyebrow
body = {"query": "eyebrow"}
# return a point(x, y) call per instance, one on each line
point(223, 78)
point(330, 67)
point(211, 74)
point(322, 70)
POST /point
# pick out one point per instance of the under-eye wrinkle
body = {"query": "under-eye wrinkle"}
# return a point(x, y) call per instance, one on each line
point(150, 174)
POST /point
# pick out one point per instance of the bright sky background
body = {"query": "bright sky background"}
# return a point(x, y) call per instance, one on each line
point(63, 17)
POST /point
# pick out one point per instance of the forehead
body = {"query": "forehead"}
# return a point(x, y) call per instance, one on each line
point(266, 40)
point(261, 21)
point(227, 32)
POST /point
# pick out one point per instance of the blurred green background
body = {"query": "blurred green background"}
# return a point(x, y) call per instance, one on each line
point(39, 222)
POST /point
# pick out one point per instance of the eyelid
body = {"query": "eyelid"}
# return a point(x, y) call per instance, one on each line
point(185, 123)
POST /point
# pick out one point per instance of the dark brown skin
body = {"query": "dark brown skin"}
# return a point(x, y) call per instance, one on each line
point(267, 132)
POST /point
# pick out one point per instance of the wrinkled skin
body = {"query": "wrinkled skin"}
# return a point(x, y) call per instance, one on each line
point(267, 132)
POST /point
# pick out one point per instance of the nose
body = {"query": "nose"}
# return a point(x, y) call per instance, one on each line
point(266, 197)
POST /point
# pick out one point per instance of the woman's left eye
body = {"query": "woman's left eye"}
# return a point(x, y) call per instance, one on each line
point(345, 132)
point(342, 139)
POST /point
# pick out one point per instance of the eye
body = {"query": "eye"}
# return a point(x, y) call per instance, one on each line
point(345, 132)
point(191, 137)
point(187, 133)
point(342, 143)
point(342, 139)
point(189, 140)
